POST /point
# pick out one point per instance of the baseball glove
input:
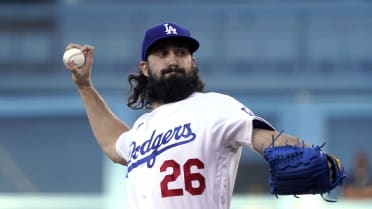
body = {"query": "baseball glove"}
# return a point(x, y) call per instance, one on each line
point(297, 170)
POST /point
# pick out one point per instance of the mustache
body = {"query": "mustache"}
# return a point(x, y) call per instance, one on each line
point(173, 69)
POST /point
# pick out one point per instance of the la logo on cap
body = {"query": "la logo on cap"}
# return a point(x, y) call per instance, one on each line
point(169, 29)
point(164, 31)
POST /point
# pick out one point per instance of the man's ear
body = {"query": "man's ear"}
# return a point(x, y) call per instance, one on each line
point(193, 61)
point(144, 68)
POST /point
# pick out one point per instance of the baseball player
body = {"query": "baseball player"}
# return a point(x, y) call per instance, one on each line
point(185, 150)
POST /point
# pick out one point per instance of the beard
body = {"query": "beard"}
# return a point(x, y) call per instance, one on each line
point(178, 85)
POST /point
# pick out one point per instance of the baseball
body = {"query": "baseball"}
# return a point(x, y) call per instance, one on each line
point(74, 55)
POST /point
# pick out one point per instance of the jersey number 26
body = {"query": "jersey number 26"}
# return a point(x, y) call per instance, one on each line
point(188, 178)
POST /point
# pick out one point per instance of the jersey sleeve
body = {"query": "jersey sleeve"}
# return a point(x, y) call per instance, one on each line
point(122, 145)
point(237, 122)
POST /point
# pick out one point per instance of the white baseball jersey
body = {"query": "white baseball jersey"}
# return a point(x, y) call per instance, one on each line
point(185, 154)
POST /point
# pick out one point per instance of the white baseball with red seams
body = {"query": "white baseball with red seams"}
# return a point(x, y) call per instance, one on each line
point(186, 154)
point(74, 55)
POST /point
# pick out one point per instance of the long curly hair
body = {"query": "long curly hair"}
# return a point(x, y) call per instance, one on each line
point(138, 83)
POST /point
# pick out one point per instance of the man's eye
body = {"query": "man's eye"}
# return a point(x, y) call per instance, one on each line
point(161, 53)
point(181, 52)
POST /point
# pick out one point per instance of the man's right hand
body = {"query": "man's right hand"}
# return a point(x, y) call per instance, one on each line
point(82, 75)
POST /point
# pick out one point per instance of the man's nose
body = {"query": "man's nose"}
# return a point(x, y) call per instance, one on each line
point(172, 59)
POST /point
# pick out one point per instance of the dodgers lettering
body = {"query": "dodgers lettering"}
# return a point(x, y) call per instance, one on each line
point(157, 144)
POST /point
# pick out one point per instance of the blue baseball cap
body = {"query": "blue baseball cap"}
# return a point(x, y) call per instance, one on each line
point(167, 31)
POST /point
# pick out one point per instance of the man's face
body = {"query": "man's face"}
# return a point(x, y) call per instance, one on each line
point(171, 73)
point(166, 60)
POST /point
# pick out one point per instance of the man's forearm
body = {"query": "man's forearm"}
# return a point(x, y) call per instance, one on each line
point(106, 126)
point(262, 138)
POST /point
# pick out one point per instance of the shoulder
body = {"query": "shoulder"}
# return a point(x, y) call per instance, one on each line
point(223, 104)
point(141, 119)
point(214, 97)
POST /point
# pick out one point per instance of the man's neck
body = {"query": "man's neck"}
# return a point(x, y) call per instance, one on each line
point(155, 105)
